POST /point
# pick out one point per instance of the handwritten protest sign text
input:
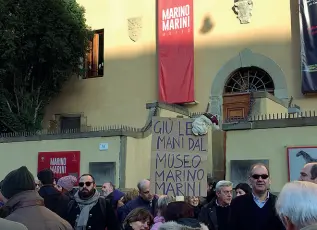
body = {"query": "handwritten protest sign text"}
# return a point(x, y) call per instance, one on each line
point(178, 158)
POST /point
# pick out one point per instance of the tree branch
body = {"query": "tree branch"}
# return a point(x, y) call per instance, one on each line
point(36, 111)
point(9, 106)
point(15, 94)
point(7, 126)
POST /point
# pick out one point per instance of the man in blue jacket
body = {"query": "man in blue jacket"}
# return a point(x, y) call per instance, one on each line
point(145, 200)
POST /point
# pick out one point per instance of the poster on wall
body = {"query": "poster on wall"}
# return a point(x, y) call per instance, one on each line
point(62, 163)
point(178, 158)
point(175, 32)
point(297, 157)
point(308, 37)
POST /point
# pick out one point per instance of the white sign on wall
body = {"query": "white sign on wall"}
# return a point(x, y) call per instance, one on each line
point(103, 146)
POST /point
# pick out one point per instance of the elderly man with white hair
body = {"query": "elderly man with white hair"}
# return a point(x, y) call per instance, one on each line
point(215, 215)
point(297, 205)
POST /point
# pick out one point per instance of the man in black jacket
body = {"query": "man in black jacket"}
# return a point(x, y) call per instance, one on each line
point(216, 213)
point(145, 200)
point(256, 211)
point(53, 199)
point(112, 194)
point(89, 210)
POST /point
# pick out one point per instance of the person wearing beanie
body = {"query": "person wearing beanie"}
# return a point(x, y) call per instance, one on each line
point(46, 176)
point(54, 200)
point(66, 185)
point(17, 181)
point(18, 191)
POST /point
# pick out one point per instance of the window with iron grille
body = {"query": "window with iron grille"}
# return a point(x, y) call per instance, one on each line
point(250, 79)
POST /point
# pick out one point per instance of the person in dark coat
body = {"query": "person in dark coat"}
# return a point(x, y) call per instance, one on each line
point(145, 200)
point(211, 193)
point(1, 201)
point(26, 205)
point(256, 211)
point(53, 199)
point(89, 210)
point(216, 213)
point(112, 194)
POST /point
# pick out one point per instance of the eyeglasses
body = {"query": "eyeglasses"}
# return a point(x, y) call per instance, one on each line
point(257, 176)
point(88, 183)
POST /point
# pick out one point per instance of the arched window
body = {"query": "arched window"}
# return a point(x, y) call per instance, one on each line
point(250, 79)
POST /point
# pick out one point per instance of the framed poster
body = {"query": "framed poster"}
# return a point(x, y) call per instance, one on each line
point(297, 157)
point(62, 163)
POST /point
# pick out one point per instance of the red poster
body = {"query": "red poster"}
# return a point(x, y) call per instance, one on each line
point(62, 163)
point(176, 51)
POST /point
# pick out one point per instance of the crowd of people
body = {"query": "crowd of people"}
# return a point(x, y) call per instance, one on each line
point(44, 203)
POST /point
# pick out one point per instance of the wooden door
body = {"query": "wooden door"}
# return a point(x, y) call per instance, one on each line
point(236, 106)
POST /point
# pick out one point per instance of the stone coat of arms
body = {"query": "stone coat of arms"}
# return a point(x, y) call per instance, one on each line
point(134, 28)
point(243, 8)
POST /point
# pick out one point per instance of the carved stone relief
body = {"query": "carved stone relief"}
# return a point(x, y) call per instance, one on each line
point(134, 28)
point(243, 8)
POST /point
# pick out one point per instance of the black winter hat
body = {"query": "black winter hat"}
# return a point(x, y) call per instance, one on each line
point(46, 176)
point(17, 181)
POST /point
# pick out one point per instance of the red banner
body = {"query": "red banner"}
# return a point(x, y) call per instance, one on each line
point(62, 163)
point(176, 51)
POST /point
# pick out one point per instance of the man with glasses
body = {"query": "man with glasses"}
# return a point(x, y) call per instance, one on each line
point(256, 211)
point(89, 210)
point(145, 200)
point(216, 213)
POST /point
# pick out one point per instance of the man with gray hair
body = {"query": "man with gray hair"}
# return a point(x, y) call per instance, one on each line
point(215, 214)
point(145, 200)
point(111, 193)
point(297, 205)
